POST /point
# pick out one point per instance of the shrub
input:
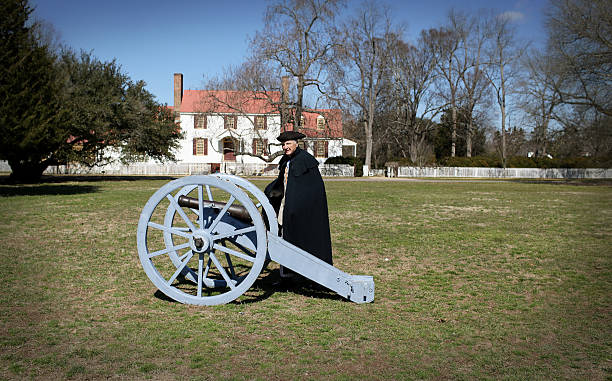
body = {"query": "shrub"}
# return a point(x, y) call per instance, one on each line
point(521, 162)
point(475, 161)
point(351, 160)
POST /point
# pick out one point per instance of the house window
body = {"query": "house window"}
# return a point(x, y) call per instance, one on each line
point(260, 147)
point(200, 146)
point(321, 149)
point(260, 122)
point(229, 121)
point(302, 120)
point(302, 144)
point(199, 121)
point(320, 122)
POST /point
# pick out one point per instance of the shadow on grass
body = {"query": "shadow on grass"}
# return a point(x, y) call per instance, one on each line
point(272, 282)
point(605, 182)
point(52, 185)
point(45, 190)
point(269, 284)
point(53, 179)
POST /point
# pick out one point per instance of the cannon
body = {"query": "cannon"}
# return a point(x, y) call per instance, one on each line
point(205, 239)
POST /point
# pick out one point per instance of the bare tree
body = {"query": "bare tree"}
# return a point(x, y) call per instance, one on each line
point(539, 98)
point(240, 91)
point(503, 57)
point(362, 61)
point(412, 99)
point(296, 41)
point(580, 45)
point(475, 86)
point(451, 65)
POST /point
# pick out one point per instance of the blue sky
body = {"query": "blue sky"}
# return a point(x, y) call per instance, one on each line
point(152, 39)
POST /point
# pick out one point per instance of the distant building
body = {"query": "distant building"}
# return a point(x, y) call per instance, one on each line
point(239, 126)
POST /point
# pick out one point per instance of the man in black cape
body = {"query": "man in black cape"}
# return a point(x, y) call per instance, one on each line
point(299, 199)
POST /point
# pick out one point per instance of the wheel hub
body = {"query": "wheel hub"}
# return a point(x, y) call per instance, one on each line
point(200, 241)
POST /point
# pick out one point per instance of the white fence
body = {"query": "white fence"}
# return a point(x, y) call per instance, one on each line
point(330, 170)
point(183, 169)
point(501, 173)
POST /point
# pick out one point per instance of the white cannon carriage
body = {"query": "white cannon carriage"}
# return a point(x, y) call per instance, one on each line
point(205, 239)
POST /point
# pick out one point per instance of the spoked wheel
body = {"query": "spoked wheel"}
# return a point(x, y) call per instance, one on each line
point(201, 240)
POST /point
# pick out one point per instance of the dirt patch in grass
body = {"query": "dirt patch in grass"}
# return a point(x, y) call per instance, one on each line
point(473, 280)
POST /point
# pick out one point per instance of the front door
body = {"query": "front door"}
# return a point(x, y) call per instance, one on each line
point(228, 150)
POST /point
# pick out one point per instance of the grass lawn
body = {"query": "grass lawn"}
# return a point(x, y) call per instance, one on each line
point(474, 280)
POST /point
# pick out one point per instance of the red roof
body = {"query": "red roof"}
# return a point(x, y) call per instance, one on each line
point(331, 129)
point(251, 102)
point(231, 102)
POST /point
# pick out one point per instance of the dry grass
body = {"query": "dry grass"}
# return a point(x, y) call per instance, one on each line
point(473, 280)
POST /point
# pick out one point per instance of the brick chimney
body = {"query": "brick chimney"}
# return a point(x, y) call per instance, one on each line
point(178, 91)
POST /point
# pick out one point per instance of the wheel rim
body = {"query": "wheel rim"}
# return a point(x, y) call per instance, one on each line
point(201, 256)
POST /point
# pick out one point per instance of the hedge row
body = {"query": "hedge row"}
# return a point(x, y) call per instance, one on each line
point(493, 162)
point(526, 162)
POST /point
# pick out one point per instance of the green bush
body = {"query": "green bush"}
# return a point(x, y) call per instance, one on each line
point(351, 160)
point(475, 161)
point(527, 162)
point(521, 162)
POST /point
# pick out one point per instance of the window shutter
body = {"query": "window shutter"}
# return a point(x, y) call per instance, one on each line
point(205, 146)
point(194, 146)
point(265, 122)
point(254, 146)
point(326, 148)
point(265, 147)
point(205, 120)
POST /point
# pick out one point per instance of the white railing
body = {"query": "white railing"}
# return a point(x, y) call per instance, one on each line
point(330, 170)
point(501, 173)
point(184, 169)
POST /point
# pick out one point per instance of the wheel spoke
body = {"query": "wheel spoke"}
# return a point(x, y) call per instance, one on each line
point(219, 266)
point(222, 213)
point(233, 252)
point(207, 268)
point(200, 207)
point(241, 247)
point(180, 211)
point(200, 266)
point(181, 267)
point(169, 249)
point(208, 193)
point(230, 265)
point(177, 231)
point(234, 233)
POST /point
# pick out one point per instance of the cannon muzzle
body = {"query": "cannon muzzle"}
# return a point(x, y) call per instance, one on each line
point(237, 211)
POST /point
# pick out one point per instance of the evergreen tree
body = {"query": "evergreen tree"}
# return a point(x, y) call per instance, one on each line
point(31, 120)
point(107, 109)
point(73, 108)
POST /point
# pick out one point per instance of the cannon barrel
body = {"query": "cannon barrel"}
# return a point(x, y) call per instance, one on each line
point(237, 211)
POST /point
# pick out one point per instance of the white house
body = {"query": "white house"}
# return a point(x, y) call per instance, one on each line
point(238, 126)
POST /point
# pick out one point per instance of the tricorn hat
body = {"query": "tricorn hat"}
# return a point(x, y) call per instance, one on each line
point(290, 135)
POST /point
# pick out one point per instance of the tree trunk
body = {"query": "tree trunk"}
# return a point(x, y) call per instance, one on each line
point(26, 171)
point(468, 139)
point(503, 134)
point(503, 112)
point(454, 132)
point(368, 137)
point(298, 105)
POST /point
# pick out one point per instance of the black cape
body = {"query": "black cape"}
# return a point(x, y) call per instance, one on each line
point(305, 217)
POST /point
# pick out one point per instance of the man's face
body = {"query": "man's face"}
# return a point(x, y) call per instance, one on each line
point(289, 147)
